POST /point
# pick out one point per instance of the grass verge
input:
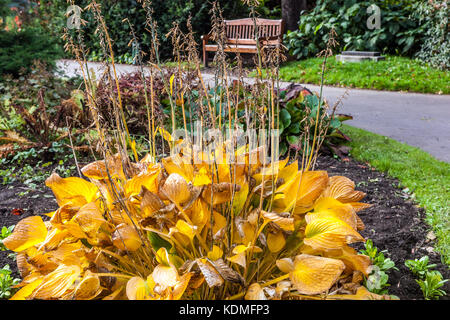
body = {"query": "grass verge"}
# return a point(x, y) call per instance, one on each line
point(393, 74)
point(427, 179)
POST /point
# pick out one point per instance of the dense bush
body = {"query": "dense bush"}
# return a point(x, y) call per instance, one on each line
point(18, 50)
point(400, 32)
point(436, 46)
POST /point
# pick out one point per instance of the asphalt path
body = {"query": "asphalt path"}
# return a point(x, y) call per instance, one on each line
point(419, 120)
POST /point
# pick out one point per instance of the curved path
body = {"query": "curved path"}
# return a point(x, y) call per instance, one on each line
point(420, 120)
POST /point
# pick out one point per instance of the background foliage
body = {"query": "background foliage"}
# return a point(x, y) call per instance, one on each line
point(399, 32)
point(166, 13)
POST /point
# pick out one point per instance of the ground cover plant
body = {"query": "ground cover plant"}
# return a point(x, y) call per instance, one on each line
point(206, 222)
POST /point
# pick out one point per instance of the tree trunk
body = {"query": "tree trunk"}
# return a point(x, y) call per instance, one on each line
point(290, 12)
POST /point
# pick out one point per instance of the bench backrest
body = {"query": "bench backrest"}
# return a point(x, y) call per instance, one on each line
point(242, 31)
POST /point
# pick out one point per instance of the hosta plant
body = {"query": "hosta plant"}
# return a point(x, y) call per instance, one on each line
point(184, 229)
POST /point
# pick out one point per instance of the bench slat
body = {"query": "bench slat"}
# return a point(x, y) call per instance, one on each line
point(240, 35)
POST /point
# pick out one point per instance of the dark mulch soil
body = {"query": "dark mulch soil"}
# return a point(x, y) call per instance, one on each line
point(394, 222)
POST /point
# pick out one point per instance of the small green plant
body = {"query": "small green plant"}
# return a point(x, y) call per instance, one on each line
point(429, 280)
point(431, 284)
point(7, 282)
point(377, 281)
point(5, 232)
point(420, 267)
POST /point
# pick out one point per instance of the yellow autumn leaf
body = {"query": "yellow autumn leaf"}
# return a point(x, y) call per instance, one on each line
point(27, 233)
point(330, 233)
point(314, 274)
point(343, 189)
point(361, 294)
point(286, 265)
point(276, 241)
point(185, 228)
point(88, 288)
point(281, 220)
point(136, 289)
point(176, 189)
point(255, 292)
point(166, 276)
point(201, 178)
point(125, 237)
point(72, 190)
point(55, 284)
point(215, 254)
point(26, 291)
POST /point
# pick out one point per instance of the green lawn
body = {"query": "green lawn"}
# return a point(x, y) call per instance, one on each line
point(427, 178)
point(393, 74)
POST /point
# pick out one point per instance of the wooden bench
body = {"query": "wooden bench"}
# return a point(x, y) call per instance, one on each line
point(240, 36)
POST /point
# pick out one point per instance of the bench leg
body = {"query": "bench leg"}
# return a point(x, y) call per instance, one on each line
point(205, 57)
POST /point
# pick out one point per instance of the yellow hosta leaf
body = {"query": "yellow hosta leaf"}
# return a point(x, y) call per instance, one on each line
point(282, 221)
point(288, 172)
point(72, 190)
point(136, 289)
point(330, 233)
point(103, 169)
point(54, 238)
point(26, 291)
point(215, 254)
point(270, 172)
point(220, 222)
point(55, 284)
point(199, 213)
point(313, 274)
point(147, 179)
point(176, 189)
point(166, 276)
point(276, 241)
point(255, 292)
point(185, 228)
point(162, 256)
point(150, 202)
point(343, 189)
point(239, 198)
point(329, 207)
point(88, 288)
point(181, 286)
point(176, 164)
point(201, 178)
point(125, 237)
point(361, 294)
point(286, 265)
point(210, 273)
point(358, 206)
point(240, 253)
point(301, 191)
point(89, 218)
point(222, 192)
point(27, 233)
point(352, 260)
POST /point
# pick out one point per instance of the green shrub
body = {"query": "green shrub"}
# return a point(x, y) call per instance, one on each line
point(113, 11)
point(19, 50)
point(436, 46)
point(399, 33)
